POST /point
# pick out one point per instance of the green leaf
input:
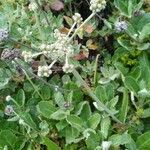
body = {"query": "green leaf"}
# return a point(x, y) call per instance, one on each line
point(50, 144)
point(83, 109)
point(46, 108)
point(146, 113)
point(5, 76)
point(124, 107)
point(143, 141)
point(105, 125)
point(26, 117)
point(93, 141)
point(145, 32)
point(59, 99)
point(75, 122)
point(140, 21)
point(118, 139)
point(125, 7)
point(59, 114)
point(136, 73)
point(7, 138)
point(71, 134)
point(125, 43)
point(131, 84)
point(94, 120)
point(68, 20)
point(121, 68)
point(20, 98)
point(101, 93)
point(45, 92)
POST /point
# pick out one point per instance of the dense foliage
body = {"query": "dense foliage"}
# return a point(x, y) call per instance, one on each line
point(74, 75)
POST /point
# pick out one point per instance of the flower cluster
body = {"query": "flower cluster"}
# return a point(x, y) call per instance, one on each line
point(97, 5)
point(33, 6)
point(10, 54)
point(121, 26)
point(3, 34)
point(77, 18)
point(44, 71)
point(58, 49)
point(68, 68)
point(27, 56)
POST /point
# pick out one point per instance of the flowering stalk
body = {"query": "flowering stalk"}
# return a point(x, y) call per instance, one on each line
point(50, 66)
point(35, 88)
point(87, 20)
point(95, 72)
point(71, 29)
point(93, 96)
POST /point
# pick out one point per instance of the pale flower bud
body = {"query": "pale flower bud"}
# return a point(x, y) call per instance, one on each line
point(97, 5)
point(8, 98)
point(106, 145)
point(33, 6)
point(27, 56)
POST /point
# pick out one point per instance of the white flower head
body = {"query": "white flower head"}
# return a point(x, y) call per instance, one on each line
point(33, 6)
point(43, 46)
point(21, 122)
point(106, 145)
point(97, 5)
point(8, 98)
point(44, 71)
point(27, 56)
point(77, 18)
point(68, 68)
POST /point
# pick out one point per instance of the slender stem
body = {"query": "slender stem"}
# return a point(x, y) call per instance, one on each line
point(93, 96)
point(36, 54)
point(89, 18)
point(35, 88)
point(95, 72)
point(50, 66)
point(71, 29)
point(133, 100)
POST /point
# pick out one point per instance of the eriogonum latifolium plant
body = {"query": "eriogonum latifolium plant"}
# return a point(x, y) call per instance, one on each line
point(53, 96)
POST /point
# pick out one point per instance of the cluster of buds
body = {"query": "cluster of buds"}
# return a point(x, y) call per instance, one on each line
point(4, 34)
point(68, 68)
point(10, 54)
point(97, 5)
point(27, 56)
point(44, 71)
point(33, 6)
point(77, 18)
point(121, 26)
point(58, 49)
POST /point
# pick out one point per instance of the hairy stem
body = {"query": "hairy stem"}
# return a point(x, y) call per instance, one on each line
point(95, 72)
point(93, 96)
point(87, 20)
point(35, 88)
